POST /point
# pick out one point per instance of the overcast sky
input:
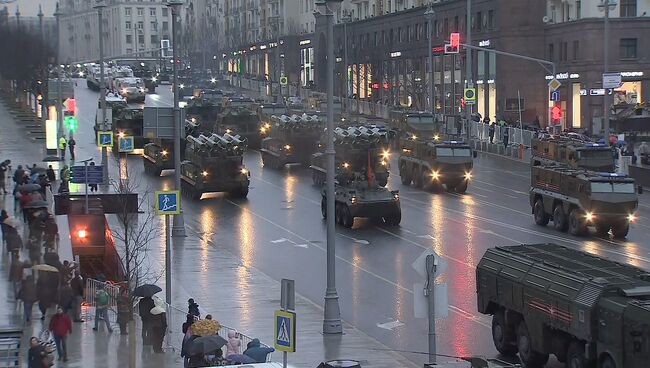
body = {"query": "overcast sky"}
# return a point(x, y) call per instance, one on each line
point(29, 8)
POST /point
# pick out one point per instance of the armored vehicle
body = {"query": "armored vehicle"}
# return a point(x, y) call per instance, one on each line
point(361, 176)
point(128, 122)
point(404, 121)
point(265, 112)
point(113, 102)
point(146, 69)
point(291, 139)
point(574, 152)
point(131, 88)
point(430, 163)
point(238, 117)
point(214, 164)
point(158, 155)
point(576, 198)
point(548, 299)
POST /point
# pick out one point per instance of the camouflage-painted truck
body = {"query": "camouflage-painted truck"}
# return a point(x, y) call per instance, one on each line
point(362, 165)
point(238, 116)
point(573, 152)
point(588, 311)
point(291, 140)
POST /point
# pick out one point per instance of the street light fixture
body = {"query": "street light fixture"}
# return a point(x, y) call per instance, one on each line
point(99, 6)
point(332, 313)
point(429, 14)
point(606, 6)
point(178, 226)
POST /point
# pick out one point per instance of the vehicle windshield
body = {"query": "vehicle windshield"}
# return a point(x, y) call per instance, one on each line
point(452, 152)
point(605, 187)
point(240, 103)
point(595, 154)
point(274, 110)
point(423, 120)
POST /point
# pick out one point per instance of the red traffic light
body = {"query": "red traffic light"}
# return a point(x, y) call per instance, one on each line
point(374, 85)
point(556, 113)
point(82, 234)
point(455, 39)
point(71, 104)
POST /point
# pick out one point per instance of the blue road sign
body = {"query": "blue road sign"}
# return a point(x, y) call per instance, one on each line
point(555, 96)
point(127, 144)
point(95, 174)
point(168, 202)
point(285, 331)
point(105, 139)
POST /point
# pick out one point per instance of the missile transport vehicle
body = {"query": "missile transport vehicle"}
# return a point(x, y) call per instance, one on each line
point(573, 152)
point(361, 176)
point(214, 163)
point(576, 198)
point(588, 311)
point(291, 139)
point(239, 117)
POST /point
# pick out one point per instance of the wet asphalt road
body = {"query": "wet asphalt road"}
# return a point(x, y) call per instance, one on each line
point(279, 230)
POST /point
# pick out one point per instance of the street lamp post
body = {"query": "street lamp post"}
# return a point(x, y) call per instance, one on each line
point(332, 313)
point(178, 226)
point(468, 66)
point(59, 103)
point(429, 14)
point(100, 5)
point(606, 6)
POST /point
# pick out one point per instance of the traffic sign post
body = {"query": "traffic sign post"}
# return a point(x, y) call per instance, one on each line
point(612, 80)
point(470, 96)
point(126, 144)
point(105, 139)
point(554, 96)
point(285, 321)
point(554, 84)
point(168, 203)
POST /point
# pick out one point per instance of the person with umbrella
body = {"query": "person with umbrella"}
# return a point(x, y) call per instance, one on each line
point(158, 325)
point(145, 305)
point(201, 346)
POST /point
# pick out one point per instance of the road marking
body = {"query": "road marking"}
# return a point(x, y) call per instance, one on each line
point(361, 241)
point(281, 240)
point(426, 237)
point(390, 325)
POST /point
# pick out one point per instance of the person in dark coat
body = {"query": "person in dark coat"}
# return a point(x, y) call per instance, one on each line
point(51, 175)
point(14, 241)
point(77, 285)
point(47, 288)
point(255, 351)
point(144, 309)
point(28, 296)
point(36, 354)
point(491, 129)
point(66, 297)
point(124, 309)
point(158, 327)
point(3, 216)
point(16, 272)
point(34, 250)
point(193, 308)
point(506, 137)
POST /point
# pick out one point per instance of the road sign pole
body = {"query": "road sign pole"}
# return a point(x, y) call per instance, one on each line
point(86, 170)
point(430, 287)
point(168, 262)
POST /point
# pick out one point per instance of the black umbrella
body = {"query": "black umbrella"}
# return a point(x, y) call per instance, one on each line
point(36, 204)
point(206, 344)
point(146, 290)
point(29, 187)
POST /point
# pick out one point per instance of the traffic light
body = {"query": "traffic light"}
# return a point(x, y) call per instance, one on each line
point(556, 113)
point(71, 123)
point(454, 46)
point(71, 105)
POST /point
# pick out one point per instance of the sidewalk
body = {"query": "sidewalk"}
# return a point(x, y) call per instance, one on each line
point(239, 297)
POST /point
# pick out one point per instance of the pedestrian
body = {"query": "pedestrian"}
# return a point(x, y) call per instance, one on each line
point(255, 351)
point(10, 231)
point(506, 136)
point(61, 327)
point(644, 153)
point(51, 175)
point(77, 285)
point(47, 289)
point(28, 296)
point(62, 145)
point(34, 250)
point(101, 308)
point(4, 167)
point(92, 187)
point(3, 227)
point(234, 343)
point(491, 129)
point(19, 177)
point(158, 327)
point(193, 308)
point(71, 144)
point(66, 297)
point(36, 357)
point(124, 309)
point(144, 309)
point(51, 233)
point(16, 272)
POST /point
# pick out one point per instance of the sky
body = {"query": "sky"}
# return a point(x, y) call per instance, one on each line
point(29, 8)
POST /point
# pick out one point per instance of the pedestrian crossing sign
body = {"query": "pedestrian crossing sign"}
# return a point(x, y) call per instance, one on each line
point(105, 139)
point(126, 144)
point(285, 331)
point(168, 202)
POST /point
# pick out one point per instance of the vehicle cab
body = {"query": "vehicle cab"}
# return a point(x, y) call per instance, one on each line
point(132, 89)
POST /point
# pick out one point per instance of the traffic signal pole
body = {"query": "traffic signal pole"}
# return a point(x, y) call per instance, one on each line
point(102, 88)
point(468, 67)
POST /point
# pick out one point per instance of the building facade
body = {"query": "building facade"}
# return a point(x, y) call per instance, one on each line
point(129, 27)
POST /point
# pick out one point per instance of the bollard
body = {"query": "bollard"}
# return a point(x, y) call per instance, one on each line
point(639, 189)
point(522, 149)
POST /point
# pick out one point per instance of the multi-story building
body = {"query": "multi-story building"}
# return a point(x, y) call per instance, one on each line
point(42, 24)
point(129, 27)
point(574, 40)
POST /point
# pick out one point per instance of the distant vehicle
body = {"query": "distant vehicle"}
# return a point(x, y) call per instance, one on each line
point(588, 311)
point(576, 198)
point(146, 69)
point(132, 89)
point(290, 139)
point(239, 117)
point(573, 152)
point(93, 78)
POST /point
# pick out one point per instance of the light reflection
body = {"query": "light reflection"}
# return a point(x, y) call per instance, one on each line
point(356, 290)
point(207, 222)
point(402, 296)
point(437, 215)
point(289, 189)
point(246, 239)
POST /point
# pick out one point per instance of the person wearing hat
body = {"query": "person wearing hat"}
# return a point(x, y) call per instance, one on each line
point(158, 327)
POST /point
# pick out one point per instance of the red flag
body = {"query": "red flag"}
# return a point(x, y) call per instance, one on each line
point(371, 173)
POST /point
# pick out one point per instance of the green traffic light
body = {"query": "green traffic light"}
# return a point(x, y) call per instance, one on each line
point(71, 123)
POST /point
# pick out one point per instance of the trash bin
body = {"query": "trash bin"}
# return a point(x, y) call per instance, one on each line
point(340, 364)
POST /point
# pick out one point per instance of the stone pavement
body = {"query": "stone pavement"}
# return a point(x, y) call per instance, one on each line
point(238, 296)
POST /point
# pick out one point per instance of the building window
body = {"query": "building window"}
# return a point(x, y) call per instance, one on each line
point(479, 21)
point(152, 12)
point(140, 25)
point(128, 24)
point(628, 48)
point(154, 39)
point(141, 39)
point(165, 26)
point(127, 12)
point(491, 19)
point(551, 52)
point(129, 38)
point(129, 51)
point(628, 8)
point(576, 50)
point(140, 12)
point(165, 12)
point(154, 26)
point(565, 51)
point(578, 9)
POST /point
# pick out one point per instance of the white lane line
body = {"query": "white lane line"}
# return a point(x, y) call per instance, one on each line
point(390, 325)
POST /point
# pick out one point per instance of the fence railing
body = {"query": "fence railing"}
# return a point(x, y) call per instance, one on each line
point(516, 136)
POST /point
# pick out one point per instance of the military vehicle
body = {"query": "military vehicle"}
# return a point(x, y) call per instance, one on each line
point(432, 163)
point(239, 117)
point(158, 155)
point(113, 102)
point(128, 122)
point(214, 164)
point(574, 152)
point(576, 198)
point(93, 78)
point(548, 299)
point(145, 69)
point(361, 176)
point(265, 111)
point(290, 140)
point(131, 88)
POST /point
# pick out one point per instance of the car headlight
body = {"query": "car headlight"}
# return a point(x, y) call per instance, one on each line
point(589, 216)
point(468, 175)
point(435, 175)
point(204, 173)
point(244, 171)
point(631, 217)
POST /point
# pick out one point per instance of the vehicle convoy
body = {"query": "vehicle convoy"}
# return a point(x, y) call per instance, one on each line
point(574, 152)
point(131, 88)
point(239, 117)
point(214, 163)
point(145, 69)
point(93, 78)
point(128, 122)
point(266, 111)
point(158, 155)
point(290, 139)
point(576, 198)
point(361, 176)
point(113, 103)
point(548, 299)
point(432, 163)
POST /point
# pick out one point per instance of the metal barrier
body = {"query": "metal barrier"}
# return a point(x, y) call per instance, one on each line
point(516, 136)
point(93, 285)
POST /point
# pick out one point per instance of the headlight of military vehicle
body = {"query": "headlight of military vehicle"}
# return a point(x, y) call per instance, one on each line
point(124, 90)
point(213, 80)
point(262, 130)
point(353, 199)
point(228, 130)
point(287, 147)
point(154, 79)
point(396, 196)
point(81, 74)
point(141, 90)
point(589, 216)
point(385, 155)
point(468, 175)
point(631, 217)
point(204, 173)
point(164, 152)
point(435, 175)
point(346, 165)
point(384, 163)
point(181, 86)
point(244, 171)
point(436, 137)
point(121, 134)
